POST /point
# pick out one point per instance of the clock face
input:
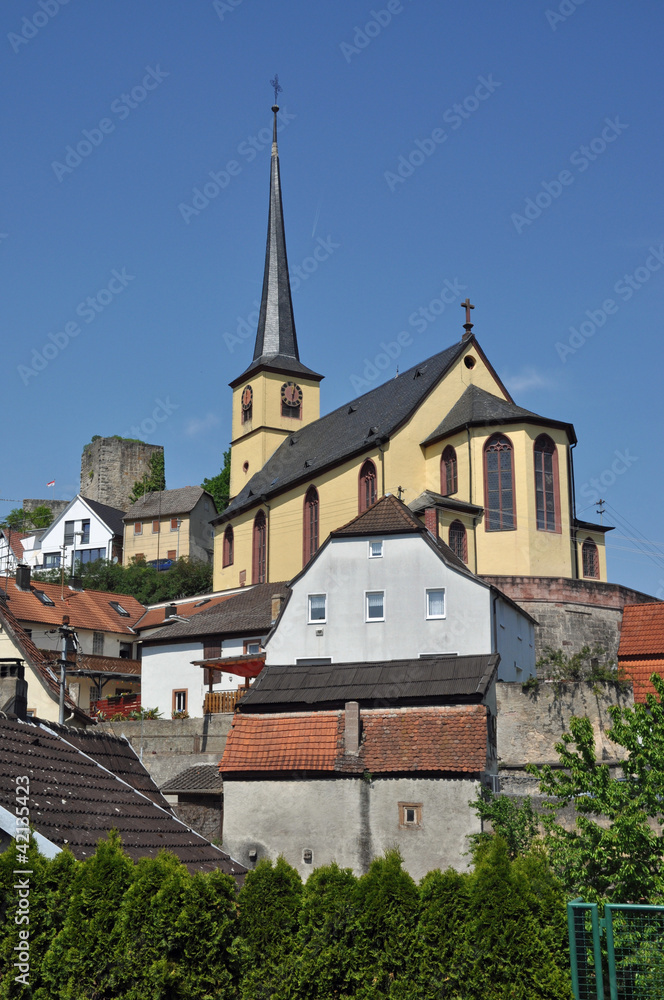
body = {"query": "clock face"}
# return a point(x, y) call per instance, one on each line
point(247, 396)
point(291, 394)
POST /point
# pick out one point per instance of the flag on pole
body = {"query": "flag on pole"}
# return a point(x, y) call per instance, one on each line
point(52, 483)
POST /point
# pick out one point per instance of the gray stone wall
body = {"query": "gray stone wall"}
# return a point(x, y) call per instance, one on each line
point(202, 813)
point(110, 467)
point(56, 506)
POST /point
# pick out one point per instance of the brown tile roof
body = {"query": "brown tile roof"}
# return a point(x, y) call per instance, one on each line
point(452, 739)
point(203, 778)
point(75, 797)
point(90, 609)
point(249, 611)
point(642, 631)
point(168, 502)
point(15, 541)
point(639, 671)
point(183, 609)
point(36, 659)
point(386, 516)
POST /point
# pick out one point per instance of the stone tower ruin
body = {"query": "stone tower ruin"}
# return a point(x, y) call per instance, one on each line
point(111, 465)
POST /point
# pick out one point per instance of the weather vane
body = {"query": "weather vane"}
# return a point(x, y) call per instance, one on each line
point(277, 87)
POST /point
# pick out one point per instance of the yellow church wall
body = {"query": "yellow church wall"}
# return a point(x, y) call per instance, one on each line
point(257, 439)
point(445, 518)
point(599, 539)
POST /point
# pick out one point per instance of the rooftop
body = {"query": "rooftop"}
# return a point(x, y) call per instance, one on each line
point(642, 631)
point(166, 503)
point(89, 609)
point(247, 611)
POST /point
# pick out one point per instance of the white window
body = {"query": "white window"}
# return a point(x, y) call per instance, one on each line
point(317, 607)
point(375, 609)
point(98, 642)
point(375, 550)
point(436, 603)
point(252, 648)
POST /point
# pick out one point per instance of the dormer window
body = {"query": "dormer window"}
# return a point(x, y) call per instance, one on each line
point(119, 609)
point(44, 598)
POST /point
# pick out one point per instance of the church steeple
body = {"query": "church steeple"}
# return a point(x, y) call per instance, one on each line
point(276, 341)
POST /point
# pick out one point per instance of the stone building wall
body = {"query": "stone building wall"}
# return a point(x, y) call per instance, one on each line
point(55, 506)
point(571, 613)
point(111, 466)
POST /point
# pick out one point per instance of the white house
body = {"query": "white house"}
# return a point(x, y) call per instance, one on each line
point(85, 531)
point(384, 588)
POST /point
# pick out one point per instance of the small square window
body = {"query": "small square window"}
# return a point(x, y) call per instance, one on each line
point(180, 701)
point(174, 524)
point(375, 606)
point(436, 603)
point(171, 554)
point(410, 814)
point(155, 527)
point(138, 527)
point(252, 647)
point(317, 607)
point(375, 550)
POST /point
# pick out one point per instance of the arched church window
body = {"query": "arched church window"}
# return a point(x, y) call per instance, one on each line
point(448, 471)
point(227, 555)
point(499, 484)
point(547, 501)
point(590, 557)
point(368, 481)
point(259, 552)
point(310, 533)
point(458, 542)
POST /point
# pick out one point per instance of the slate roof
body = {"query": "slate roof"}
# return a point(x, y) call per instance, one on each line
point(75, 799)
point(477, 408)
point(332, 684)
point(431, 499)
point(642, 631)
point(111, 516)
point(36, 659)
point(450, 739)
point(155, 616)
point(202, 778)
point(347, 431)
point(249, 611)
point(166, 503)
point(89, 609)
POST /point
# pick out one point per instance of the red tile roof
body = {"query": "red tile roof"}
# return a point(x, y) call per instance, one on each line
point(642, 632)
point(442, 738)
point(639, 671)
point(90, 609)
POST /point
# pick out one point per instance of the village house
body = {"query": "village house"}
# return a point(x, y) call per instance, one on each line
point(164, 526)
point(82, 533)
point(641, 650)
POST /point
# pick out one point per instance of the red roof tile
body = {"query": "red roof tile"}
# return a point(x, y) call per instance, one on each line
point(642, 632)
point(442, 738)
point(639, 671)
point(90, 609)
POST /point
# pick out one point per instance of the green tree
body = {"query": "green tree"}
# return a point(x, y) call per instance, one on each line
point(612, 852)
point(515, 821)
point(592, 664)
point(24, 520)
point(185, 578)
point(220, 485)
point(442, 951)
point(154, 481)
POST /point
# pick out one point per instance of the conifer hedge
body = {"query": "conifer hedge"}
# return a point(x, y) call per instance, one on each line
point(109, 929)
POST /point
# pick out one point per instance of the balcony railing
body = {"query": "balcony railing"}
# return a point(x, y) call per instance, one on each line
point(222, 701)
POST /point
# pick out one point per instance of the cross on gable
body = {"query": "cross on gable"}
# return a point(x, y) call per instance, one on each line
point(467, 306)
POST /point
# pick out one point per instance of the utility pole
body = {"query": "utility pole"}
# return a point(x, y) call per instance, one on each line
point(66, 633)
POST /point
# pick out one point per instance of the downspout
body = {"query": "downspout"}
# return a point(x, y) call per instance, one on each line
point(494, 625)
point(572, 500)
point(382, 440)
point(470, 495)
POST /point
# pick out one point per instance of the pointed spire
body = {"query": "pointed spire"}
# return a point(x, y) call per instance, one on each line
point(276, 326)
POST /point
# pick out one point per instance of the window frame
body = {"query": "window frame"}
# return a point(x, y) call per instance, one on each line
point(174, 523)
point(375, 555)
point(317, 621)
point(97, 643)
point(427, 612)
point(555, 484)
point(416, 822)
point(367, 594)
point(227, 547)
point(310, 525)
point(138, 527)
point(501, 515)
point(174, 702)
point(366, 475)
point(259, 548)
point(464, 540)
point(448, 460)
point(587, 542)
point(157, 530)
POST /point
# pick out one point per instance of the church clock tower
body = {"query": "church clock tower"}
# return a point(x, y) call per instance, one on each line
point(276, 395)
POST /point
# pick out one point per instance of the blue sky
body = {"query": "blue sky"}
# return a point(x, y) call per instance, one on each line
point(512, 152)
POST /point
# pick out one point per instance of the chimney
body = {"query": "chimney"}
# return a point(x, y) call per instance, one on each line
point(277, 604)
point(13, 688)
point(352, 727)
point(431, 521)
point(75, 583)
point(23, 577)
point(170, 611)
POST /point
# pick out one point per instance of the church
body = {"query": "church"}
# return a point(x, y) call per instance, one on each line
point(493, 480)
